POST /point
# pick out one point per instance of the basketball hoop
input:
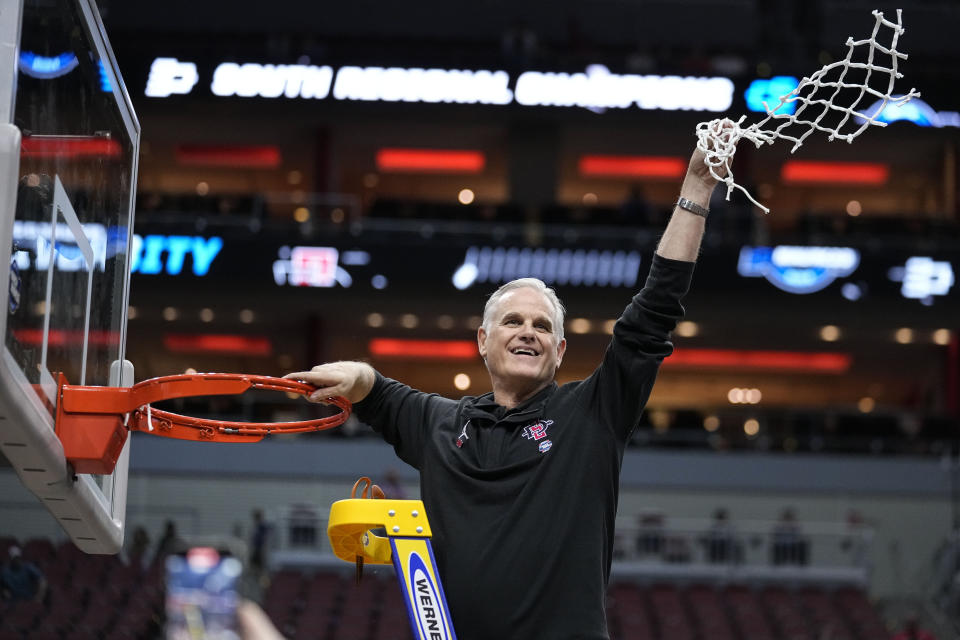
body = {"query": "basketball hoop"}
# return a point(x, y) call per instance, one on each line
point(92, 422)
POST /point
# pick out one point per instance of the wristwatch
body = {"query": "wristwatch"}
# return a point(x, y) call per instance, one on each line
point(692, 207)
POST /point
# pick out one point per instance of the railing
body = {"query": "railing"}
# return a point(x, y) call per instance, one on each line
point(694, 549)
point(747, 550)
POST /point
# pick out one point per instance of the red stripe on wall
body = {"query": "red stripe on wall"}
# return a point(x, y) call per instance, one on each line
point(631, 166)
point(424, 349)
point(431, 160)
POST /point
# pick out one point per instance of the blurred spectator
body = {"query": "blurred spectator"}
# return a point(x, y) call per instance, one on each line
point(676, 549)
point(391, 485)
point(21, 580)
point(258, 542)
point(789, 546)
point(650, 534)
point(169, 542)
point(303, 523)
point(139, 544)
point(519, 46)
point(912, 631)
point(857, 540)
point(635, 210)
point(720, 540)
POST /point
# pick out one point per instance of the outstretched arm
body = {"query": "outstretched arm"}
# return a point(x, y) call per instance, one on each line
point(352, 380)
point(681, 240)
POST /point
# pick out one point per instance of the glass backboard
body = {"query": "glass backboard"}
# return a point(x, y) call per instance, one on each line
point(69, 162)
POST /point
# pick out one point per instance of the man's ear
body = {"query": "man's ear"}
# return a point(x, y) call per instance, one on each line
point(561, 349)
point(482, 342)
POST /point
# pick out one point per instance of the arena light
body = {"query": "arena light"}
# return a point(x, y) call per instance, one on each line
point(423, 349)
point(69, 147)
point(798, 269)
point(47, 67)
point(63, 337)
point(916, 111)
point(599, 166)
point(218, 343)
point(814, 362)
point(237, 156)
point(431, 160)
point(809, 172)
point(769, 90)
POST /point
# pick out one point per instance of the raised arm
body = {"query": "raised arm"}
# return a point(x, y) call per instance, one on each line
point(681, 239)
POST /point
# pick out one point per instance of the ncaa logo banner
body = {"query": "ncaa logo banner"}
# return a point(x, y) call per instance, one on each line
point(426, 604)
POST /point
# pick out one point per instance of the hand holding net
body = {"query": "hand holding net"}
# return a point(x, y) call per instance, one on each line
point(823, 103)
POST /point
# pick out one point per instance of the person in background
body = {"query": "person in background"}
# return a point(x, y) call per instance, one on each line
point(139, 544)
point(788, 545)
point(169, 542)
point(258, 542)
point(720, 540)
point(21, 580)
point(391, 485)
point(635, 210)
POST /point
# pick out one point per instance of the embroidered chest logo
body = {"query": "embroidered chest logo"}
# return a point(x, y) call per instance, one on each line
point(463, 437)
point(537, 430)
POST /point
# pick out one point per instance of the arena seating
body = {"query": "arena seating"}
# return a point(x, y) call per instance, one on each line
point(104, 598)
point(96, 597)
point(327, 605)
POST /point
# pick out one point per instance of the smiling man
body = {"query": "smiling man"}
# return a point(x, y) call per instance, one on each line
point(521, 484)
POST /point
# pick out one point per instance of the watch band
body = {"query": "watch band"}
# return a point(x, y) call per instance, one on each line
point(692, 207)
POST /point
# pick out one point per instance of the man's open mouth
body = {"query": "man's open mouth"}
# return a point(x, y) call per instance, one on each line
point(523, 351)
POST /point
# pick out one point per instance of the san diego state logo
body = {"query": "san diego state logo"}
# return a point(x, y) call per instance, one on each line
point(537, 430)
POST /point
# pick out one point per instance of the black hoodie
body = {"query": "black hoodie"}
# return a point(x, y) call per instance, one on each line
point(522, 502)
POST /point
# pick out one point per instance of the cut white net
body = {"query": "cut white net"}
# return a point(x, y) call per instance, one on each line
point(816, 109)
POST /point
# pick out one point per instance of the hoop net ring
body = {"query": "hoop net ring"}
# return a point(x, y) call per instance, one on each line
point(145, 417)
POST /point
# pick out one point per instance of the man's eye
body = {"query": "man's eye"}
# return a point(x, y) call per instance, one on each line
point(511, 321)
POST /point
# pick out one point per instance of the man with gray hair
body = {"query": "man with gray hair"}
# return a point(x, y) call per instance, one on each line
point(521, 484)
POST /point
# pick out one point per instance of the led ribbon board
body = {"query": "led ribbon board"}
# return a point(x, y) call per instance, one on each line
point(595, 88)
point(798, 269)
point(554, 266)
point(316, 266)
point(916, 111)
point(923, 278)
point(38, 244)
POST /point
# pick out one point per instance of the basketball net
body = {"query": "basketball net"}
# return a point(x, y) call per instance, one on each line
point(816, 98)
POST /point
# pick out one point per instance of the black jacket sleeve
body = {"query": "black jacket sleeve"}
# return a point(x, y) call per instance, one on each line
point(622, 383)
point(403, 416)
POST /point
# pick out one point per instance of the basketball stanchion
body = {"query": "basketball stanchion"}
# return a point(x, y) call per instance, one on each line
point(383, 531)
point(93, 422)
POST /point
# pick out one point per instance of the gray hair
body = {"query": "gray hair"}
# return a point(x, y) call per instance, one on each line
point(529, 283)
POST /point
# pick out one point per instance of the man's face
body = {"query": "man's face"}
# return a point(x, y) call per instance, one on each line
point(521, 348)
